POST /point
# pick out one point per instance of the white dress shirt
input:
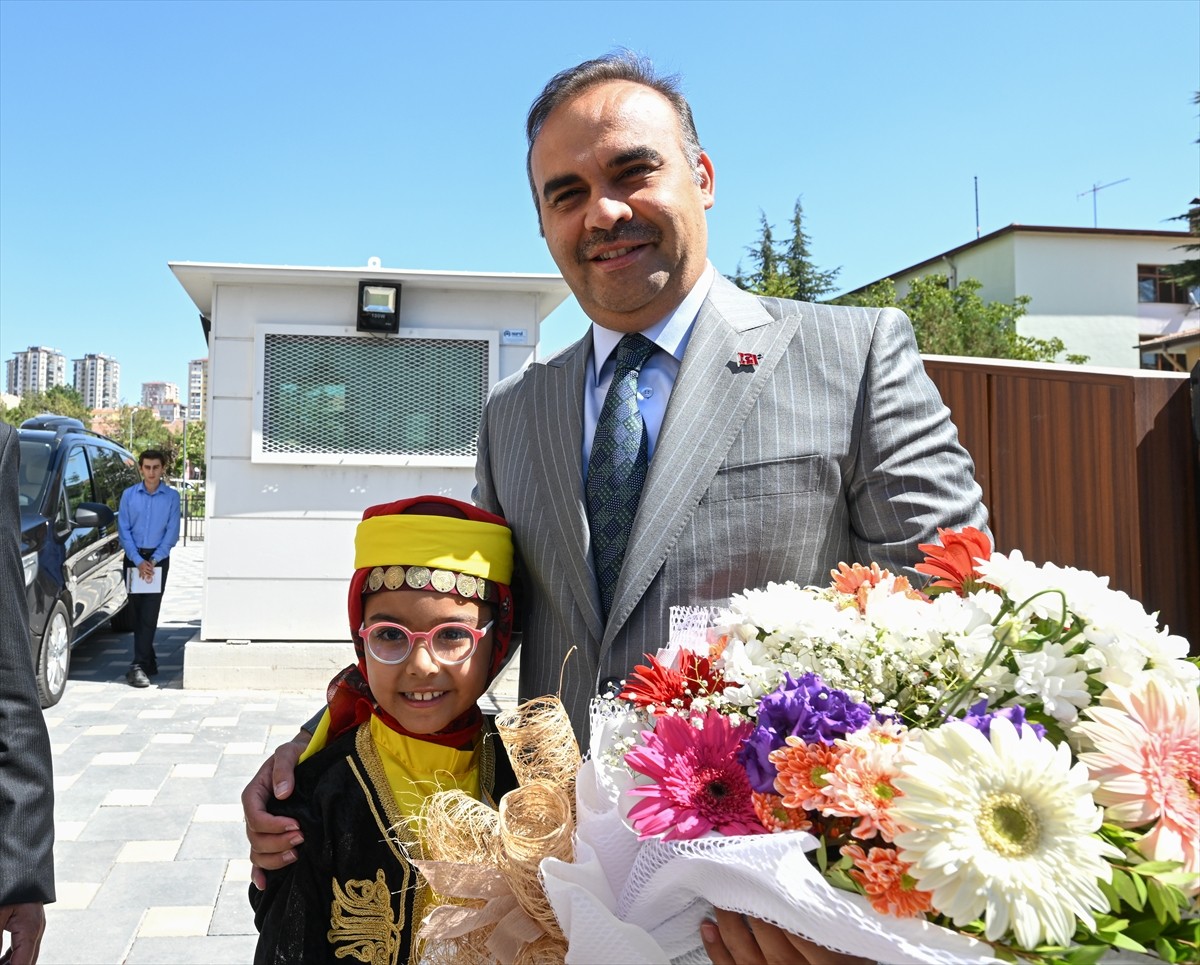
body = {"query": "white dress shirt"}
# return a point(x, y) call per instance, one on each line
point(658, 374)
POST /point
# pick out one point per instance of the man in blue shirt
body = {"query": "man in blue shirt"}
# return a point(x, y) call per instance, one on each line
point(149, 526)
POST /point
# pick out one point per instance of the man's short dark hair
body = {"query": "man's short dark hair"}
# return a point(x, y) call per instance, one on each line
point(152, 454)
point(620, 64)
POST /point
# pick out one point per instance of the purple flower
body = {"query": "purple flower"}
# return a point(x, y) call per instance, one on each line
point(979, 718)
point(803, 708)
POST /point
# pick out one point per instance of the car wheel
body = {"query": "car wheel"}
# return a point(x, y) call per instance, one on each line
point(54, 657)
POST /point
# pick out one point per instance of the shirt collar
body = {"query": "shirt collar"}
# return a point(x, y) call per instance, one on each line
point(670, 334)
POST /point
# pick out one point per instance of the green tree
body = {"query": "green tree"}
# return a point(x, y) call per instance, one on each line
point(957, 321)
point(1187, 272)
point(58, 400)
point(785, 269)
point(195, 448)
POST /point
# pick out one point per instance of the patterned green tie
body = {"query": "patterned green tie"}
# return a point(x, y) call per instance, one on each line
point(617, 466)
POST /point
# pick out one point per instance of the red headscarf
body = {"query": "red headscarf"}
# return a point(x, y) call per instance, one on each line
point(349, 695)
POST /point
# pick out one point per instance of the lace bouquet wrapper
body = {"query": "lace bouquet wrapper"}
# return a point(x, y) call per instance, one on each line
point(482, 865)
point(1004, 766)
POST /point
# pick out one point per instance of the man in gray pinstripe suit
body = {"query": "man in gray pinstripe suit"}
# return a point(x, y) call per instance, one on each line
point(783, 437)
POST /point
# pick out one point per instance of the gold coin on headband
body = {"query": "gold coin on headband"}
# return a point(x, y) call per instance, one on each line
point(393, 577)
point(418, 577)
point(375, 579)
point(466, 584)
point(442, 580)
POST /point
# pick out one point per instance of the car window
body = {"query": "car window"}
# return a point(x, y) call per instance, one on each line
point(110, 475)
point(34, 476)
point(77, 481)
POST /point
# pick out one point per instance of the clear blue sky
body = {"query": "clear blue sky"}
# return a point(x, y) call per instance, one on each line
point(317, 133)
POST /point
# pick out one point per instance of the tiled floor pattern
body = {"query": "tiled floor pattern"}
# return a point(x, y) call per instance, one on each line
point(150, 853)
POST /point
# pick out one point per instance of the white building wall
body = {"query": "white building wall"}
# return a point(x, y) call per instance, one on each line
point(991, 264)
point(1082, 288)
point(279, 534)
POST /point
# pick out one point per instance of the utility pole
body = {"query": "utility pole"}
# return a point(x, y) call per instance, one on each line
point(977, 232)
point(1093, 191)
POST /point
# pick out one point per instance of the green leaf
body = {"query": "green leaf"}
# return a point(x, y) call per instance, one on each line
point(1154, 892)
point(1120, 940)
point(1110, 895)
point(1085, 954)
point(1166, 951)
point(1155, 867)
point(1125, 887)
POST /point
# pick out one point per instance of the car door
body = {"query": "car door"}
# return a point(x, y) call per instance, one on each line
point(82, 547)
point(110, 476)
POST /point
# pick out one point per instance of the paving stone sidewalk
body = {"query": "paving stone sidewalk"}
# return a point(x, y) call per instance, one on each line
point(150, 854)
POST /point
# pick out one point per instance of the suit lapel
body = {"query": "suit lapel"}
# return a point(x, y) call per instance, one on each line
point(712, 390)
point(557, 440)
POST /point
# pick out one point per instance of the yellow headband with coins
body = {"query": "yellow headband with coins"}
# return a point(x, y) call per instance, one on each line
point(463, 546)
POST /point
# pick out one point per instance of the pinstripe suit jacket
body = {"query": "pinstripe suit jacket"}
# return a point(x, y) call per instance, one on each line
point(836, 446)
point(26, 780)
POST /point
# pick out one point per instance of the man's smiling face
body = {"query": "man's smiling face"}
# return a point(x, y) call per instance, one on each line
point(621, 208)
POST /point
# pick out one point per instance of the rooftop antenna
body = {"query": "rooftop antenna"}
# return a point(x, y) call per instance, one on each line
point(1093, 191)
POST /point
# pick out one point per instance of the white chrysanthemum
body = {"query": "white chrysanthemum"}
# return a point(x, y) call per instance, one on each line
point(1002, 829)
point(1024, 583)
point(1054, 679)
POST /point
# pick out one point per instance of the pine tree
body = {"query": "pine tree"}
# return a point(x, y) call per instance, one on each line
point(785, 269)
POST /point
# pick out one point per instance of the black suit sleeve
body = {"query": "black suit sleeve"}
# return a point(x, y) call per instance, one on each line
point(26, 773)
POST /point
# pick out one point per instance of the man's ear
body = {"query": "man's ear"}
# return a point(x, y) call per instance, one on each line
point(706, 179)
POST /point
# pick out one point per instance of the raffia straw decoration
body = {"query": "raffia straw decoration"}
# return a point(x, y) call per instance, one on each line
point(535, 823)
point(541, 744)
point(456, 827)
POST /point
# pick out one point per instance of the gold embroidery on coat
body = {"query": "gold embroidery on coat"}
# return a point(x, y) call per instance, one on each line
point(362, 921)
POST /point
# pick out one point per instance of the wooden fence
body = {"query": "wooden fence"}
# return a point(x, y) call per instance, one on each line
point(1087, 467)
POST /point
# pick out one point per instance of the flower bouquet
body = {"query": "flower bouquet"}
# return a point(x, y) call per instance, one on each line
point(1004, 767)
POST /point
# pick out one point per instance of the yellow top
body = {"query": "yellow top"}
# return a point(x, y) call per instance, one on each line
point(439, 542)
point(414, 768)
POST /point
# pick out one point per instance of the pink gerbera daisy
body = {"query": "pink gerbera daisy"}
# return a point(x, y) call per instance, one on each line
point(1147, 762)
point(700, 787)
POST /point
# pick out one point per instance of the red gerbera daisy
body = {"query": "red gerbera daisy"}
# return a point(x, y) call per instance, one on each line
point(659, 687)
point(953, 561)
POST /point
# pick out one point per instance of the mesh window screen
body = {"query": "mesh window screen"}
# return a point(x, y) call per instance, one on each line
point(334, 394)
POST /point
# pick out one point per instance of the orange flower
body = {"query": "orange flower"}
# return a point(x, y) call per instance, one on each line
point(775, 816)
point(857, 580)
point(953, 561)
point(801, 781)
point(888, 885)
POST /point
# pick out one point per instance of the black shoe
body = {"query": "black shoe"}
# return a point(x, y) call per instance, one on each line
point(137, 677)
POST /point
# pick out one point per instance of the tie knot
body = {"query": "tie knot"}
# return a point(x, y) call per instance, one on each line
point(632, 352)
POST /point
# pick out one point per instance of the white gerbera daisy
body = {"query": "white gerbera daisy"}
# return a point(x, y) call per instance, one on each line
point(1003, 829)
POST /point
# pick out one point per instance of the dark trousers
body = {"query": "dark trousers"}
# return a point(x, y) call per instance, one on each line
point(145, 607)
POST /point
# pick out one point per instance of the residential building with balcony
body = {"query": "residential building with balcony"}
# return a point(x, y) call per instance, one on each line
point(36, 369)
point(98, 381)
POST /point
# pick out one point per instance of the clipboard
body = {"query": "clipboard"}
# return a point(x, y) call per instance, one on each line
point(135, 584)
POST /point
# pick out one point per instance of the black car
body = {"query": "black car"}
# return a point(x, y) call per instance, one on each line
point(71, 481)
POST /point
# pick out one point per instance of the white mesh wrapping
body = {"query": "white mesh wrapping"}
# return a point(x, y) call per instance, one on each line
point(643, 903)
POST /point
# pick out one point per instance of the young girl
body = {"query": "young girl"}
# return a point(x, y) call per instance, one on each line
point(431, 618)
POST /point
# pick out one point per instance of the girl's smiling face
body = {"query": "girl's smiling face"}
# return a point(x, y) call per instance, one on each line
point(424, 696)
